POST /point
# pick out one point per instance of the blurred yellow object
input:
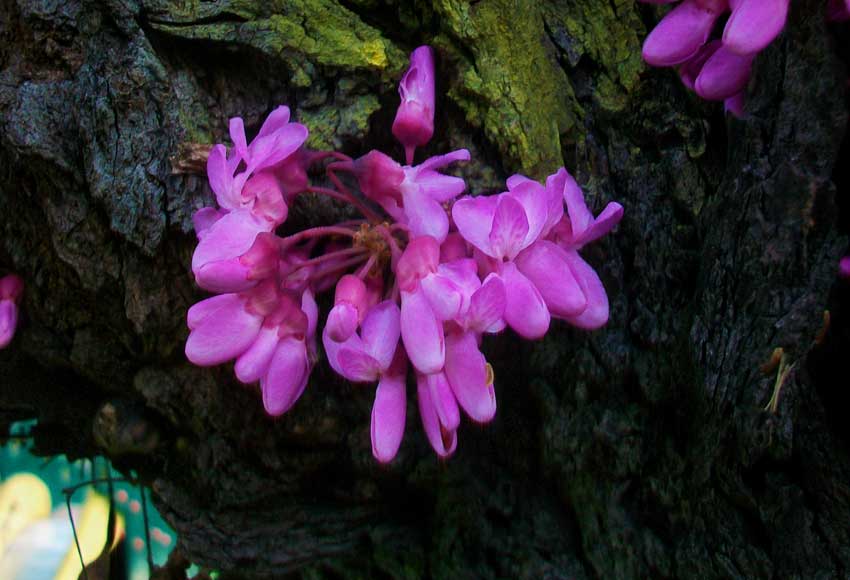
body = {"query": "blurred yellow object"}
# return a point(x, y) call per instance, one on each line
point(24, 498)
point(91, 532)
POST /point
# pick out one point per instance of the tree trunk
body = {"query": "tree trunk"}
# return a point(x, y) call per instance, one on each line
point(642, 450)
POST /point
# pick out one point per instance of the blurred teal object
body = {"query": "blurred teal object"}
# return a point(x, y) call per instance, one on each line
point(48, 538)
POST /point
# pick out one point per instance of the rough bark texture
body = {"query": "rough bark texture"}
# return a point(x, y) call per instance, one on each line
point(641, 450)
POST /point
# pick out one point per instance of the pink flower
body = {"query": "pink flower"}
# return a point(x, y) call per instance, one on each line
point(575, 230)
point(414, 121)
point(412, 195)
point(266, 330)
point(230, 257)
point(11, 289)
point(366, 357)
point(276, 141)
point(500, 227)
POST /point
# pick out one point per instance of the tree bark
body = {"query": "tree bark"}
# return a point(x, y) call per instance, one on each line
point(642, 450)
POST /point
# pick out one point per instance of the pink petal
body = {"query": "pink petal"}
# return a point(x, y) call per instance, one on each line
point(454, 248)
point(198, 312)
point(204, 218)
point(342, 321)
point(443, 295)
point(228, 238)
point(276, 120)
point(444, 401)
point(604, 223)
point(439, 187)
point(388, 416)
point(420, 258)
point(311, 311)
point(443, 441)
point(438, 161)
point(516, 180)
point(284, 143)
point(596, 313)
point(723, 75)
point(287, 376)
point(754, 24)
point(381, 331)
point(689, 71)
point(8, 322)
point(268, 203)
point(237, 135)
point(473, 217)
point(487, 306)
point(357, 365)
point(422, 333)
point(510, 227)
point(579, 216)
point(224, 276)
point(222, 335)
point(332, 349)
point(242, 273)
point(466, 370)
point(546, 265)
point(681, 32)
point(220, 175)
point(463, 272)
point(555, 185)
point(535, 204)
point(525, 309)
point(426, 216)
point(253, 364)
point(735, 105)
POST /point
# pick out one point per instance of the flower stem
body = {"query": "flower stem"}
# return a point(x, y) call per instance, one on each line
point(370, 215)
point(317, 232)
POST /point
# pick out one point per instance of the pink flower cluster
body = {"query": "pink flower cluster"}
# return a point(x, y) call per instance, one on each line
point(717, 69)
point(11, 288)
point(418, 279)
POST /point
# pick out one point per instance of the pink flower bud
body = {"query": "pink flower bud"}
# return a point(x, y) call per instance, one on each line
point(350, 305)
point(414, 121)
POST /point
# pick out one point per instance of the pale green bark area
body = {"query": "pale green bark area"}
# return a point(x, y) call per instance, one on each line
point(501, 65)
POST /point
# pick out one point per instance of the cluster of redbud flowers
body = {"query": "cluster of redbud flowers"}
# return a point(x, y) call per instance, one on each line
point(418, 278)
point(718, 69)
